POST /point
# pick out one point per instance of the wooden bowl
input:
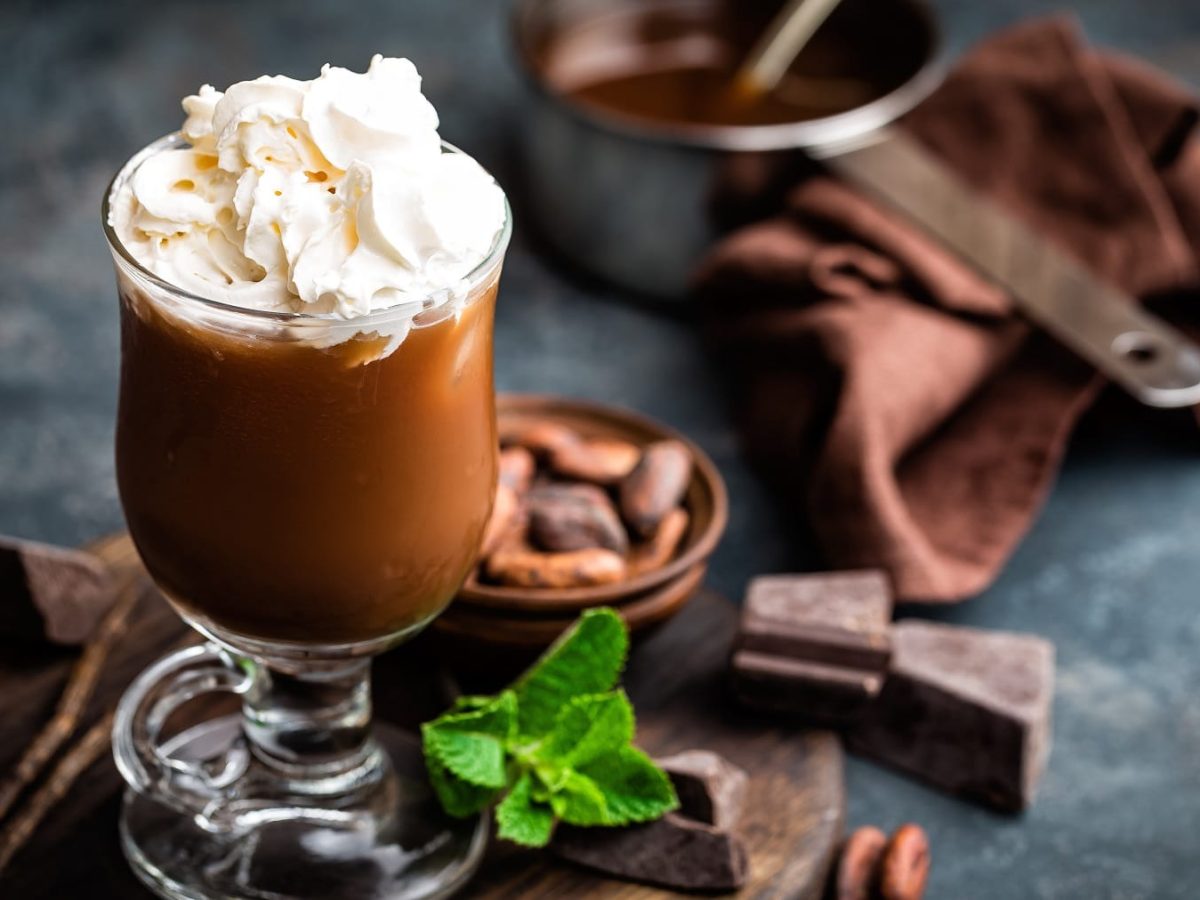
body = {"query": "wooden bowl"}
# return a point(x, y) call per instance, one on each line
point(705, 501)
point(537, 631)
point(495, 646)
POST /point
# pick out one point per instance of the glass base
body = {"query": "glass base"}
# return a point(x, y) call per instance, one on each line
point(402, 847)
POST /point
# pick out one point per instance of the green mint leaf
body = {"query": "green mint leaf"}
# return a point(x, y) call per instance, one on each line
point(551, 775)
point(586, 659)
point(469, 702)
point(523, 820)
point(457, 797)
point(475, 758)
point(590, 726)
point(559, 739)
point(634, 788)
point(579, 801)
point(496, 715)
point(471, 745)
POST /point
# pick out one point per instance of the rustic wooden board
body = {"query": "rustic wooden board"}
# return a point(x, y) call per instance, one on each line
point(676, 678)
point(793, 818)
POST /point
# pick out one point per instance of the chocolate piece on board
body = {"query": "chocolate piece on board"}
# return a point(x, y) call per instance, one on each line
point(830, 695)
point(814, 643)
point(673, 852)
point(840, 618)
point(965, 710)
point(51, 594)
point(710, 788)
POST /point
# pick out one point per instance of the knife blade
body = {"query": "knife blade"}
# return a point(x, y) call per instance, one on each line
point(1154, 362)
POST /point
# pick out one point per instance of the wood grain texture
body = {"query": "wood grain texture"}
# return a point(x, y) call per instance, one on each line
point(75, 852)
point(676, 678)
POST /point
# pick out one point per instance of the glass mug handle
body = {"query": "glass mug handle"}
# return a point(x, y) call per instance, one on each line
point(194, 788)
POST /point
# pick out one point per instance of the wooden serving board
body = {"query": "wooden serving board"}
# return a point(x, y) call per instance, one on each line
point(791, 826)
point(792, 822)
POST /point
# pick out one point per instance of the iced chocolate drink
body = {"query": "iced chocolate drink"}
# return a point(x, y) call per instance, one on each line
point(306, 454)
point(281, 489)
point(305, 442)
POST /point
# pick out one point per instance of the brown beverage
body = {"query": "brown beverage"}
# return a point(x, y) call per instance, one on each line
point(673, 61)
point(306, 455)
point(283, 490)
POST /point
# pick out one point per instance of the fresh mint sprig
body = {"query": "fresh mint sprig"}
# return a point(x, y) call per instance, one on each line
point(555, 746)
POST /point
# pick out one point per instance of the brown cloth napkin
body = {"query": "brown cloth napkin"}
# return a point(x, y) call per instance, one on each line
point(888, 386)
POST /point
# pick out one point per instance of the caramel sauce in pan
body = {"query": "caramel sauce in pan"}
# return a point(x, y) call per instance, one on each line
point(286, 491)
point(674, 62)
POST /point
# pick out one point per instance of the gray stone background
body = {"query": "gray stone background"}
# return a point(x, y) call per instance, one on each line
point(1110, 572)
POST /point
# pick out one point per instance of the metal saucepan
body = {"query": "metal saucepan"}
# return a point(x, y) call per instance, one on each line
point(630, 200)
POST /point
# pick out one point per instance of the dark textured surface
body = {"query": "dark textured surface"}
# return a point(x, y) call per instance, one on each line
point(1108, 574)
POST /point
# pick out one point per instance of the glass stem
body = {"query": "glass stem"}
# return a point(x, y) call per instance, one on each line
point(313, 724)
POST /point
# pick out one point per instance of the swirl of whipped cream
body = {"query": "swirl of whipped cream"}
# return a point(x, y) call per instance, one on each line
point(330, 196)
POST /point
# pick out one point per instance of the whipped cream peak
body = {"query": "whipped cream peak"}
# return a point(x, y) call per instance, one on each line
point(330, 197)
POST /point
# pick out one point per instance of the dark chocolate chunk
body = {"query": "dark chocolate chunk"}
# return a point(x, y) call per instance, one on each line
point(814, 645)
point(830, 695)
point(51, 594)
point(851, 610)
point(710, 788)
point(831, 646)
point(673, 852)
point(965, 710)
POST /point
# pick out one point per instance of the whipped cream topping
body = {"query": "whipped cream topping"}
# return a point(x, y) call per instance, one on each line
point(331, 197)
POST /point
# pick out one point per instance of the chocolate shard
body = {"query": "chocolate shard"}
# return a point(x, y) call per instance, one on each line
point(711, 789)
point(815, 643)
point(840, 618)
point(965, 710)
point(673, 852)
point(50, 593)
point(828, 695)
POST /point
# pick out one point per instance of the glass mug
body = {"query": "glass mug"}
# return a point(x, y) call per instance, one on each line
point(306, 492)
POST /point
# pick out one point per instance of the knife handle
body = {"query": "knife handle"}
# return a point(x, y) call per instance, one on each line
point(1154, 362)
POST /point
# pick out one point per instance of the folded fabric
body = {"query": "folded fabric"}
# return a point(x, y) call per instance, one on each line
point(885, 384)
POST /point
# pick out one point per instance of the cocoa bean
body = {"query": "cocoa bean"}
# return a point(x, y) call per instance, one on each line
point(655, 486)
point(564, 518)
point(598, 461)
point(858, 867)
point(588, 492)
point(517, 466)
point(538, 437)
point(904, 869)
point(660, 548)
point(578, 568)
point(505, 512)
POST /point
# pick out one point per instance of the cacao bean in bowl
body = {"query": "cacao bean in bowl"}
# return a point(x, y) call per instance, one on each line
point(643, 494)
